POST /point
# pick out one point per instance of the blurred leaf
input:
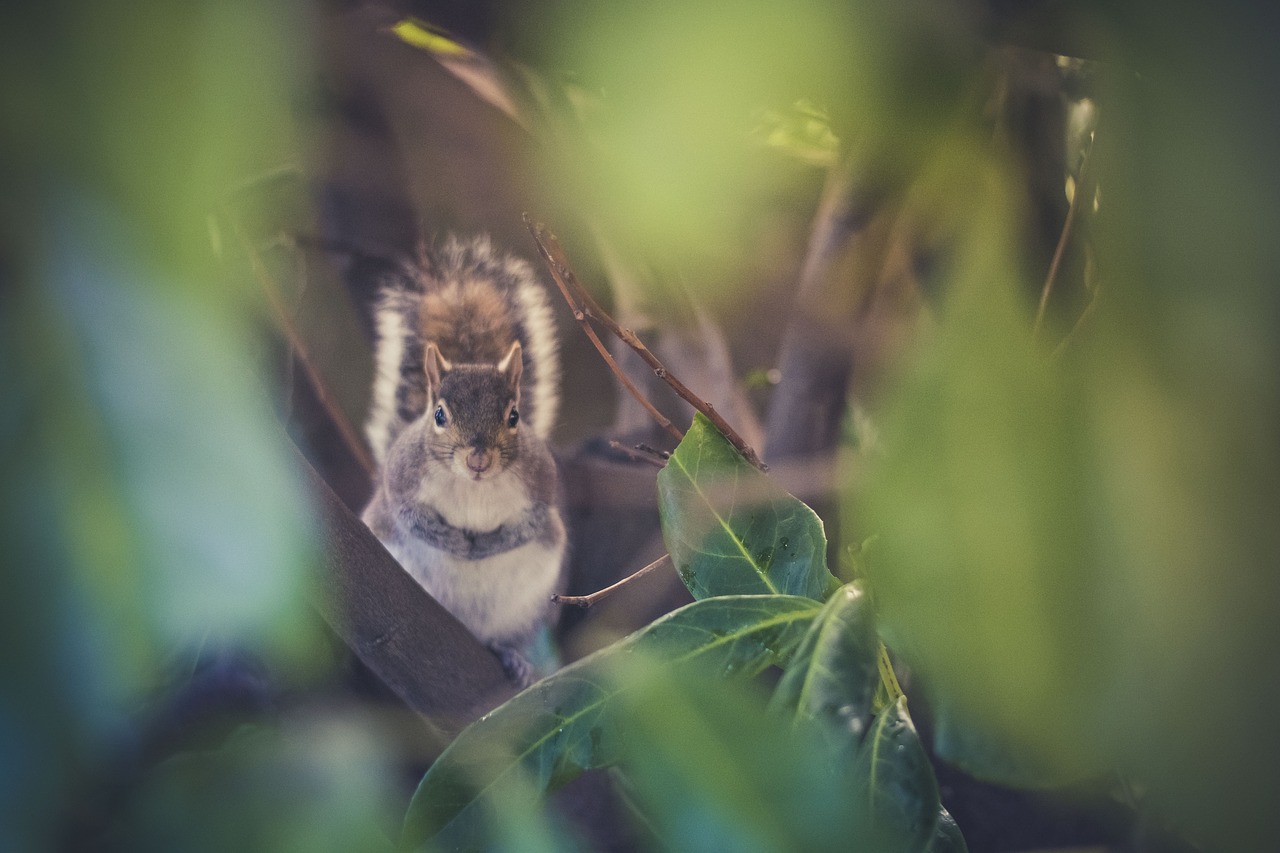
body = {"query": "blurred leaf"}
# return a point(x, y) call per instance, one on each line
point(428, 38)
point(1075, 553)
point(897, 794)
point(151, 508)
point(713, 771)
point(984, 578)
point(833, 674)
point(977, 747)
point(668, 163)
point(730, 530)
point(209, 528)
point(803, 132)
point(564, 724)
point(321, 784)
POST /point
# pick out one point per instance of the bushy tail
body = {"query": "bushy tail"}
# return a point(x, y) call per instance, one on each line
point(445, 274)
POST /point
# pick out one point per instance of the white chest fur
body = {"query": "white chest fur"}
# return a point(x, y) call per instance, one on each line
point(499, 598)
point(482, 505)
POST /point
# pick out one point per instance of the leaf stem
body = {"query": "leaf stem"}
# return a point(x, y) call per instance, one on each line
point(889, 691)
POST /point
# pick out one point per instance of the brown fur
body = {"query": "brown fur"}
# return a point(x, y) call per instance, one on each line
point(469, 321)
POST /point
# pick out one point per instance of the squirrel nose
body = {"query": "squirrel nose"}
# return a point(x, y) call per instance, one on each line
point(479, 460)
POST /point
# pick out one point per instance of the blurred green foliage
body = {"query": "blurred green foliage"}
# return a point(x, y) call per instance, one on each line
point(706, 764)
point(665, 163)
point(153, 517)
point(1077, 552)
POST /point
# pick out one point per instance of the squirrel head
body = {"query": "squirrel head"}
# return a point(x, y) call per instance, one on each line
point(473, 413)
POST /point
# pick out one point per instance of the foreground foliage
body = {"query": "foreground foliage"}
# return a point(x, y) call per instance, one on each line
point(820, 768)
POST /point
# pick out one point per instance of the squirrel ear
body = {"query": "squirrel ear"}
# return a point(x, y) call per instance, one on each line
point(512, 365)
point(435, 365)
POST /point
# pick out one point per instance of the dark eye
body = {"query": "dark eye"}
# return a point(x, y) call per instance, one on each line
point(440, 416)
point(513, 418)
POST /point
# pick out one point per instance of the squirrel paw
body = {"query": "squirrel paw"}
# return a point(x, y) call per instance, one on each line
point(517, 666)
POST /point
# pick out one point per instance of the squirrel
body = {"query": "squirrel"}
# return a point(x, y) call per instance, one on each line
point(464, 400)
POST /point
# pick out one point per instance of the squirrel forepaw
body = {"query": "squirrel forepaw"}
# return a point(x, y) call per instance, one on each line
point(517, 666)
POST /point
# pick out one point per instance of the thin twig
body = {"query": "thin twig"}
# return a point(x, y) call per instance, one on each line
point(573, 294)
point(1080, 199)
point(588, 600)
point(296, 344)
point(661, 454)
point(642, 453)
point(584, 306)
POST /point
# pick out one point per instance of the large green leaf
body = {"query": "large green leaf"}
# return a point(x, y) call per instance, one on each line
point(897, 792)
point(833, 675)
point(831, 684)
point(946, 836)
point(730, 530)
point(711, 770)
point(564, 724)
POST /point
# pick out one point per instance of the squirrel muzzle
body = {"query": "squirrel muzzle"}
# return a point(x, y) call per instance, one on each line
point(480, 460)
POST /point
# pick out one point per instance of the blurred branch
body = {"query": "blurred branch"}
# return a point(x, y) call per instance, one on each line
point(478, 71)
point(299, 348)
point(806, 408)
point(1085, 189)
point(584, 306)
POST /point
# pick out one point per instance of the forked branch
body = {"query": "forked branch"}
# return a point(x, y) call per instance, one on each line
point(584, 307)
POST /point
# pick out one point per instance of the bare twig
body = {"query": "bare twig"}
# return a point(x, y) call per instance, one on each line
point(588, 600)
point(1081, 199)
point(579, 300)
point(584, 306)
point(291, 333)
point(653, 451)
point(641, 453)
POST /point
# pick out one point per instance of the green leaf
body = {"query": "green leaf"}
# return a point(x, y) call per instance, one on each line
point(730, 530)
point(897, 791)
point(564, 724)
point(834, 674)
point(947, 837)
point(713, 771)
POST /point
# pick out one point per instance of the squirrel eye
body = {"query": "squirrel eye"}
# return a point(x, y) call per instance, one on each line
point(513, 418)
point(440, 416)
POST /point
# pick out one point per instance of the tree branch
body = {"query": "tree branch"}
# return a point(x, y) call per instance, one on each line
point(299, 348)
